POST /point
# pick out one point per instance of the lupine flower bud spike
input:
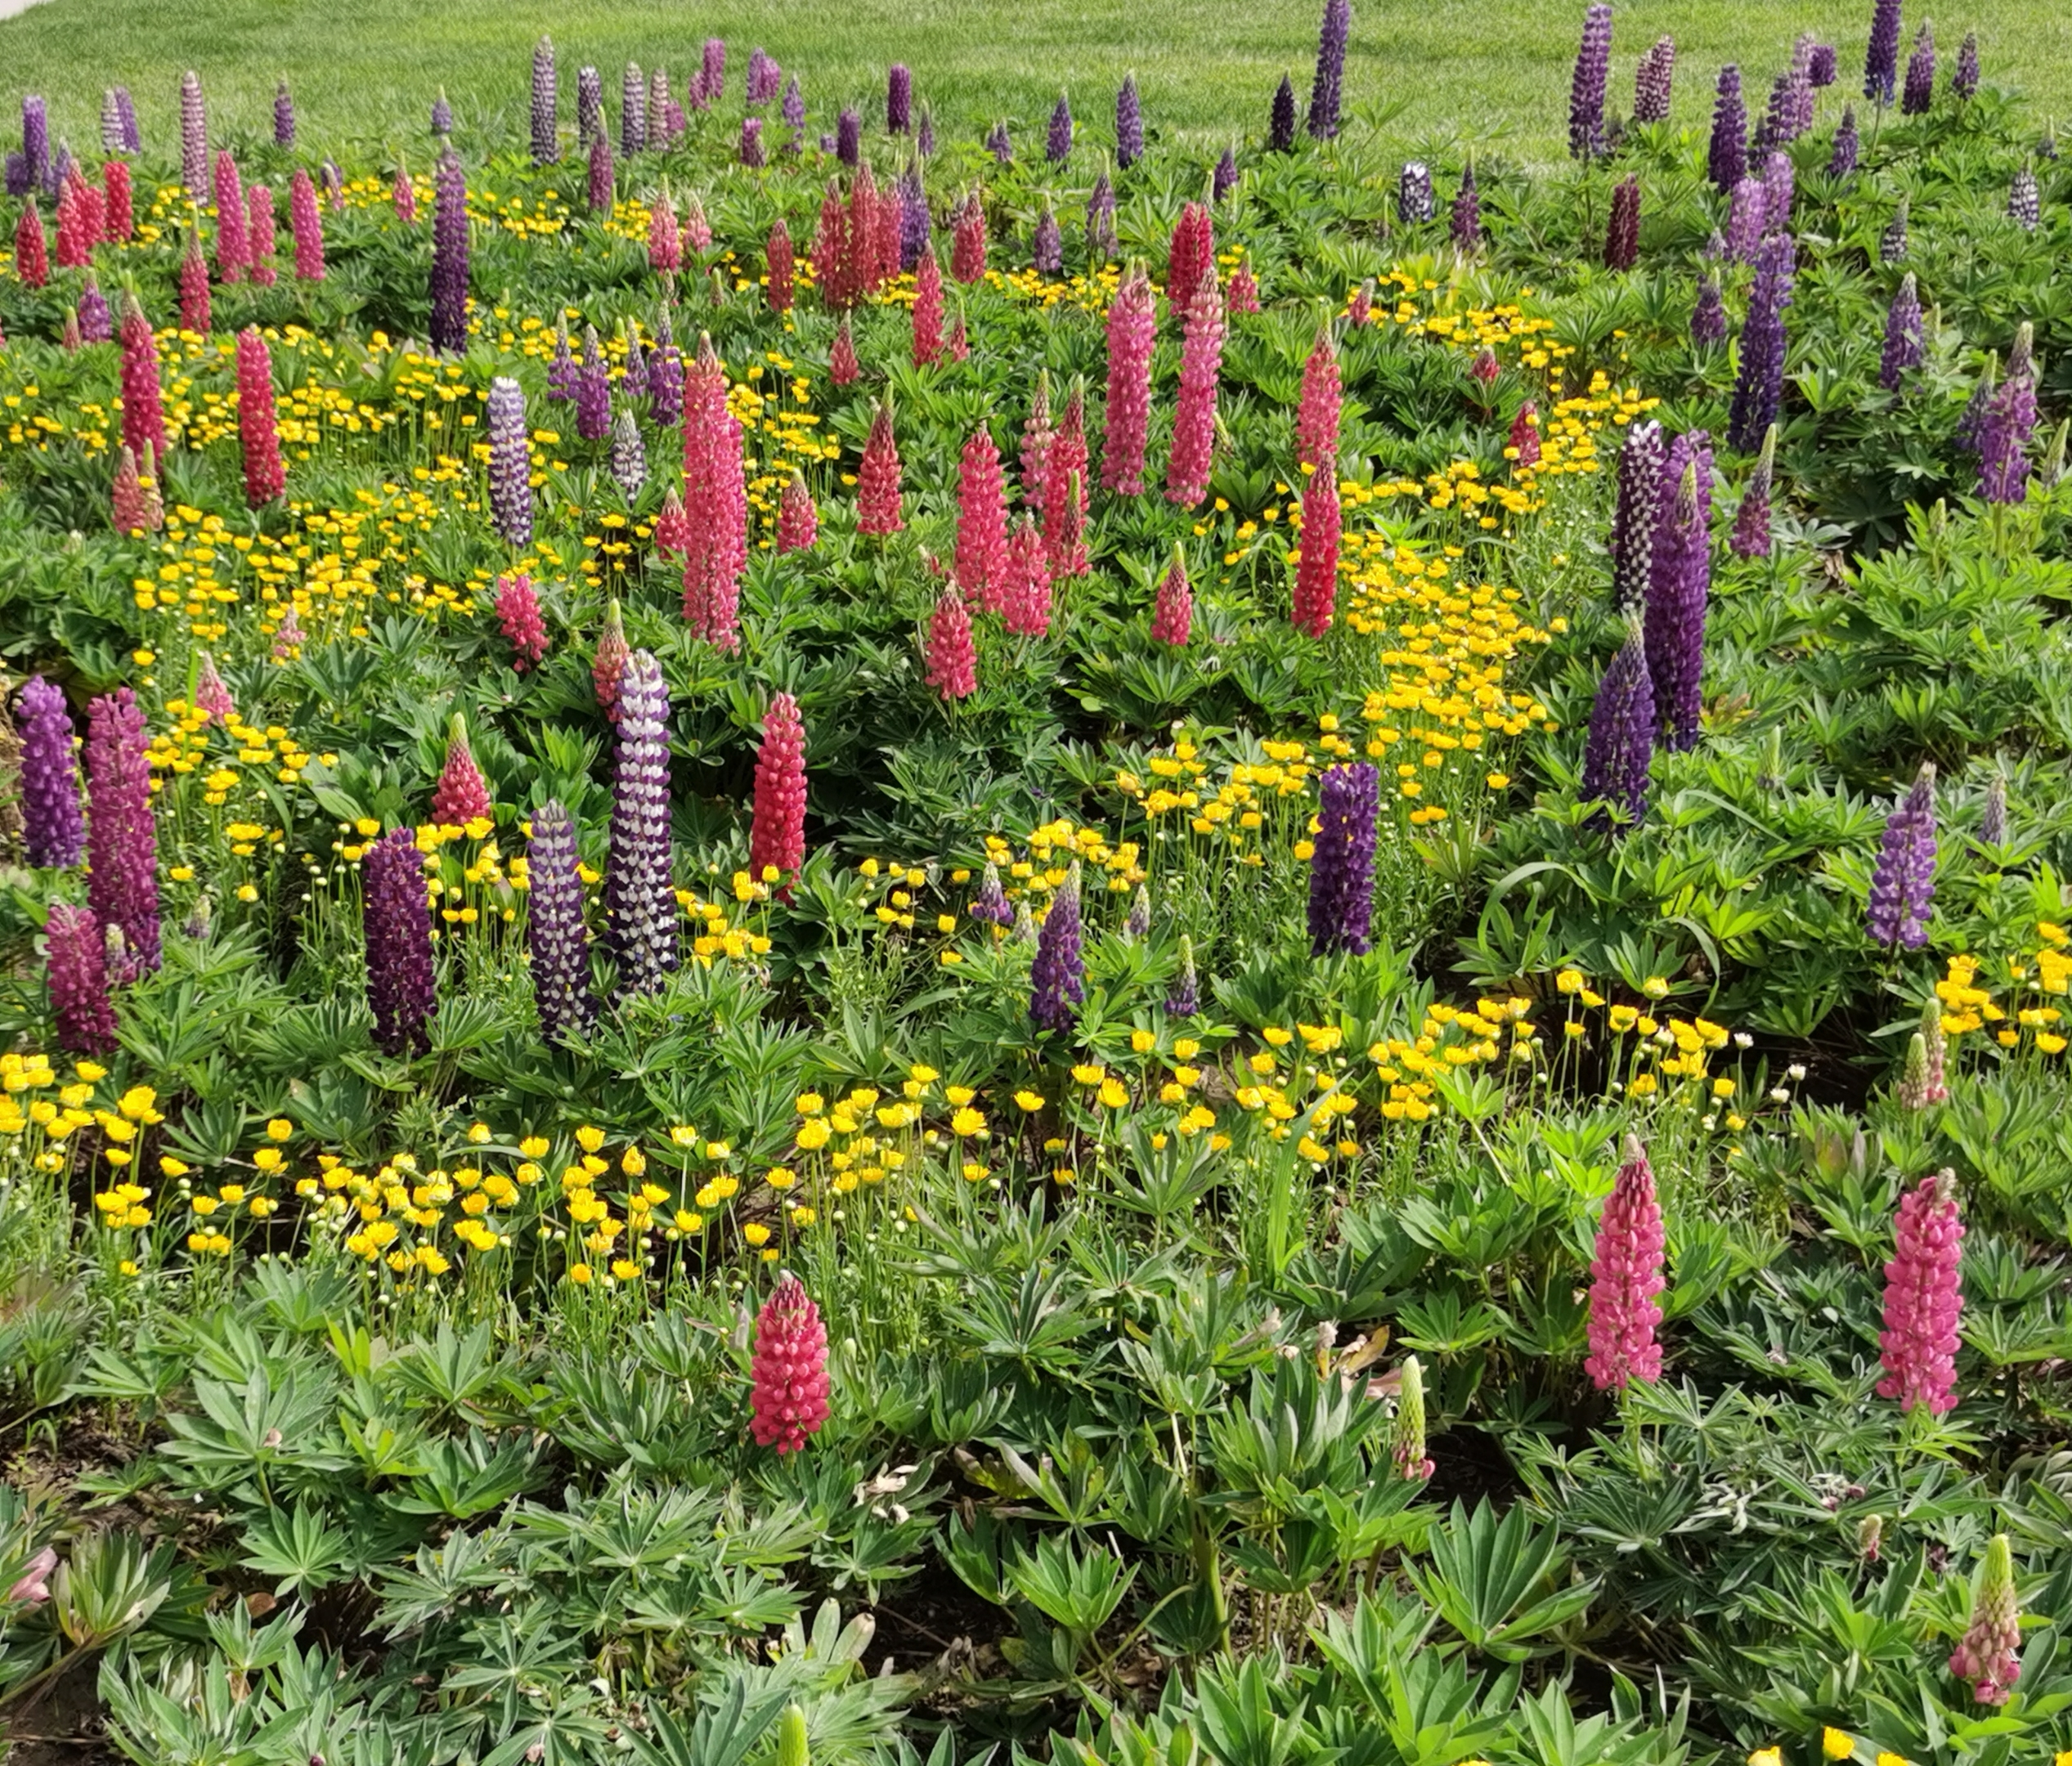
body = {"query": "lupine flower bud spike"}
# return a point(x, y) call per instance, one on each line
point(1626, 1280)
point(1751, 535)
point(1172, 612)
point(1406, 1435)
point(1924, 1298)
point(1621, 743)
point(77, 972)
point(398, 923)
point(789, 1373)
point(1057, 977)
point(1988, 1654)
point(122, 830)
point(608, 666)
point(1184, 998)
point(461, 795)
point(1586, 94)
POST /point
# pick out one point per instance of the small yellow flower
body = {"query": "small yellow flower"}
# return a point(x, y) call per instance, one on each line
point(1769, 1756)
point(590, 1139)
point(279, 1128)
point(1031, 1101)
point(579, 1275)
point(757, 1234)
point(1835, 1744)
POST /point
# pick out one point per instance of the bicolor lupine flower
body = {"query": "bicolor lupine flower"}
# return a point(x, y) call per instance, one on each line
point(633, 111)
point(1316, 570)
point(1466, 218)
point(1622, 742)
point(1904, 343)
point(119, 219)
point(122, 831)
point(133, 140)
point(556, 937)
point(1183, 999)
point(599, 188)
point(398, 923)
point(990, 904)
point(1759, 386)
point(982, 520)
point(1194, 419)
point(1918, 94)
point(1626, 1280)
point(1882, 52)
point(950, 658)
point(2008, 427)
point(232, 247)
point(449, 256)
point(629, 456)
point(1993, 818)
point(76, 959)
point(788, 1371)
point(1057, 985)
point(1751, 536)
point(1132, 329)
point(2025, 200)
point(1047, 248)
point(798, 521)
point(1172, 611)
point(1101, 221)
point(877, 478)
point(546, 140)
point(640, 909)
point(194, 137)
point(792, 111)
point(258, 425)
point(1679, 585)
point(849, 138)
point(1342, 859)
point(1129, 122)
point(1778, 191)
point(1653, 81)
point(660, 107)
point(334, 182)
point(461, 794)
point(68, 337)
point(1903, 881)
point(1727, 160)
point(517, 616)
point(1406, 1430)
point(1586, 89)
point(1025, 604)
point(1892, 239)
point(1988, 1654)
point(777, 830)
point(1317, 415)
point(1327, 89)
point(54, 831)
point(1924, 1298)
point(111, 123)
point(1415, 202)
point(510, 465)
point(308, 228)
point(589, 106)
point(1622, 232)
point(593, 390)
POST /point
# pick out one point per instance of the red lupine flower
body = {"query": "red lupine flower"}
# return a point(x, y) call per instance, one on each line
point(843, 367)
point(952, 659)
point(1065, 494)
point(981, 521)
point(665, 242)
point(790, 1369)
point(967, 241)
point(257, 426)
point(1172, 614)
point(1194, 418)
point(1192, 259)
point(1132, 328)
point(1036, 436)
point(776, 260)
point(1525, 437)
point(798, 521)
point(1316, 419)
point(1316, 573)
point(1244, 295)
point(1026, 601)
point(927, 311)
point(118, 220)
point(517, 612)
point(232, 247)
point(306, 223)
point(195, 314)
point(877, 479)
point(1626, 1280)
point(79, 230)
point(32, 254)
point(609, 663)
point(831, 253)
point(1924, 1298)
point(777, 833)
point(861, 264)
point(462, 793)
point(1484, 367)
point(143, 407)
point(259, 234)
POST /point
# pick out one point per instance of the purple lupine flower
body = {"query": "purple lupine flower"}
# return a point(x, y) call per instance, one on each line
point(449, 255)
point(764, 77)
point(1101, 221)
point(1780, 119)
point(1903, 881)
point(1892, 241)
point(1138, 925)
point(561, 368)
point(589, 106)
point(593, 392)
point(1745, 220)
point(194, 138)
point(1905, 342)
point(712, 70)
point(1414, 201)
point(36, 140)
point(1327, 90)
point(1820, 69)
point(96, 324)
point(1653, 81)
point(284, 116)
point(2025, 200)
point(442, 116)
point(924, 136)
point(1586, 92)
point(1622, 232)
point(1803, 51)
point(633, 111)
point(1679, 588)
point(634, 384)
point(1750, 538)
point(792, 110)
point(1637, 514)
point(398, 923)
point(1046, 251)
point(603, 180)
point(54, 830)
point(1842, 161)
point(122, 832)
point(1727, 160)
point(76, 957)
point(1759, 386)
point(1467, 217)
point(1342, 859)
point(61, 163)
point(1993, 818)
point(1129, 119)
point(111, 123)
point(132, 141)
point(1621, 741)
point(916, 229)
point(1882, 53)
point(629, 456)
point(555, 935)
point(546, 117)
point(899, 98)
point(510, 466)
point(1057, 982)
point(1918, 94)
point(1964, 77)
point(1280, 122)
point(991, 904)
point(1057, 144)
point(998, 144)
point(18, 181)
point(1183, 998)
point(665, 380)
point(849, 137)
point(752, 155)
point(1778, 190)
point(1971, 422)
point(2008, 426)
point(640, 912)
point(1223, 180)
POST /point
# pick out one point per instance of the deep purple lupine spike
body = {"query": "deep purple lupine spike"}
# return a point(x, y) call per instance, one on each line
point(1820, 66)
point(916, 229)
point(1643, 459)
point(126, 109)
point(849, 137)
point(1129, 121)
point(546, 114)
point(1653, 82)
point(1280, 122)
point(1841, 162)
point(1709, 315)
point(284, 116)
point(1679, 589)
point(1750, 538)
point(1057, 982)
point(1057, 144)
point(1467, 219)
point(1727, 160)
point(1223, 180)
point(1621, 745)
point(593, 398)
point(510, 467)
point(753, 154)
point(1342, 859)
point(122, 831)
point(449, 255)
point(1903, 880)
point(640, 911)
point(400, 990)
point(2008, 425)
point(1327, 90)
point(1759, 386)
point(1918, 95)
point(1622, 232)
point(1905, 344)
point(1586, 91)
point(589, 106)
point(557, 938)
point(1882, 52)
point(442, 116)
point(54, 829)
point(665, 381)
point(1964, 77)
point(899, 98)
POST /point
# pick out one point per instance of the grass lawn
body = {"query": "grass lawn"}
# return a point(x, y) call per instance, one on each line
point(369, 70)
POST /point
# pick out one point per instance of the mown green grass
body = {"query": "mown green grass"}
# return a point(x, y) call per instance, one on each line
point(366, 71)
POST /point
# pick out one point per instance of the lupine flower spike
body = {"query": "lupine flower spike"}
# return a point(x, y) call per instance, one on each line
point(1903, 881)
point(1924, 1298)
point(1988, 1654)
point(1057, 977)
point(557, 938)
point(1406, 1434)
point(53, 826)
point(1626, 1280)
point(950, 655)
point(1342, 860)
point(517, 616)
point(1750, 538)
point(1174, 611)
point(1621, 743)
point(777, 834)
point(77, 961)
point(789, 1369)
point(640, 908)
point(122, 830)
point(1680, 587)
point(1133, 326)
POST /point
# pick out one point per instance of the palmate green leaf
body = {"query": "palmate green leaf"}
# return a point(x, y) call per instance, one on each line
point(1501, 1585)
point(300, 1547)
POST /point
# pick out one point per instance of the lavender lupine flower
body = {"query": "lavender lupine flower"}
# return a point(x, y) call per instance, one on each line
point(133, 140)
point(36, 141)
point(629, 457)
point(1183, 998)
point(1820, 68)
point(1903, 881)
point(666, 378)
point(1467, 219)
point(1745, 220)
point(1727, 160)
point(1904, 346)
point(1622, 742)
point(1414, 201)
point(1101, 221)
point(1750, 538)
point(1759, 388)
point(561, 366)
point(556, 936)
point(634, 385)
point(593, 398)
point(752, 155)
point(1342, 859)
point(54, 831)
point(2008, 426)
point(1586, 92)
point(194, 138)
point(1841, 162)
point(1882, 53)
point(2025, 200)
point(924, 136)
point(1223, 180)
point(122, 832)
point(601, 184)
point(442, 116)
point(1280, 123)
point(546, 118)
point(916, 229)
point(1326, 91)
point(1643, 459)
point(1129, 121)
point(1709, 315)
point(1918, 94)
point(589, 106)
point(991, 904)
point(111, 123)
point(1803, 51)
point(449, 255)
point(1046, 251)
point(764, 77)
point(398, 923)
point(76, 956)
point(999, 146)
point(792, 110)
point(510, 467)
point(1678, 590)
point(1138, 926)
point(1057, 982)
point(96, 324)
point(1993, 818)
point(1964, 77)
point(899, 98)
point(849, 137)
point(1653, 81)
point(1778, 190)
point(1057, 144)
point(17, 175)
point(284, 116)
point(640, 910)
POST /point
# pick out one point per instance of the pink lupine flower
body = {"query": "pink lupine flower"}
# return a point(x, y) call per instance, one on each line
point(1316, 572)
point(212, 694)
point(462, 793)
point(258, 425)
point(1192, 259)
point(1317, 417)
point(1924, 1298)
point(798, 521)
point(1132, 328)
point(1025, 597)
point(1626, 1280)
point(1194, 420)
point(877, 479)
point(307, 223)
point(790, 1369)
point(517, 614)
point(1172, 614)
point(1243, 294)
point(1525, 437)
point(927, 310)
point(843, 367)
point(259, 234)
point(982, 521)
point(777, 833)
point(952, 659)
point(232, 247)
point(1988, 1654)
point(664, 241)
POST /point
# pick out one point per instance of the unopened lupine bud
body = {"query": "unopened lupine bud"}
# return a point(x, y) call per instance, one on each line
point(1406, 1435)
point(1988, 1654)
point(1750, 538)
point(608, 666)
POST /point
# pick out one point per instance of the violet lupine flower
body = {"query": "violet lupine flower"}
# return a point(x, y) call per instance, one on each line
point(1586, 92)
point(849, 137)
point(899, 98)
point(629, 457)
point(666, 379)
point(1047, 250)
point(1709, 315)
point(1622, 232)
point(1918, 94)
point(1653, 80)
point(1342, 860)
point(916, 228)
point(442, 116)
point(924, 136)
point(1903, 881)
point(764, 76)
point(999, 146)
point(1778, 191)
point(1414, 201)
point(1223, 180)
point(1643, 461)
point(111, 125)
point(1101, 221)
point(1183, 999)
point(557, 938)
point(1466, 218)
point(1924, 1298)
point(1759, 388)
point(510, 466)
point(1964, 78)
point(1882, 52)
point(546, 118)
point(1621, 741)
point(991, 903)
point(1326, 91)
point(1992, 819)
point(633, 110)
point(132, 141)
point(2008, 426)
point(1750, 538)
point(1057, 982)
point(17, 179)
point(752, 155)
point(194, 137)
point(284, 116)
point(1820, 69)
point(712, 70)
point(589, 106)
point(593, 398)
point(640, 910)
point(1745, 220)
point(792, 110)
point(76, 957)
point(2025, 200)
point(1988, 1654)
point(1679, 587)
point(1842, 161)
point(1905, 344)
point(1727, 160)
point(1626, 1280)
point(1129, 124)
point(54, 831)
point(398, 923)
point(1057, 143)
point(449, 255)
point(36, 142)
point(96, 324)
point(122, 832)
point(1280, 122)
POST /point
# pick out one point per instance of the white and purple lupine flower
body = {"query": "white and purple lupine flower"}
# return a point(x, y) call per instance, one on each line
point(640, 910)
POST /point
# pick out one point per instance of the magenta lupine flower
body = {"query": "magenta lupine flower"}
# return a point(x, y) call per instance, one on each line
point(307, 225)
point(640, 911)
point(1905, 344)
point(1988, 1654)
point(1653, 82)
point(1622, 742)
point(1327, 89)
point(461, 793)
point(764, 77)
point(1467, 219)
point(1626, 1280)
point(1622, 232)
point(194, 137)
point(1057, 977)
point(788, 1370)
point(597, 191)
point(556, 937)
point(1280, 119)
point(593, 390)
point(1679, 588)
point(1903, 881)
point(233, 250)
point(1194, 418)
point(1745, 220)
point(1759, 386)
point(122, 831)
point(1025, 611)
point(76, 962)
point(1342, 860)
point(546, 140)
point(1727, 160)
point(712, 70)
point(949, 658)
point(258, 423)
point(401, 991)
point(1172, 612)
point(517, 616)
point(1586, 90)
point(2007, 427)
point(54, 830)
point(1924, 1298)
point(1750, 538)
point(1316, 414)
point(716, 498)
point(1643, 461)
point(510, 465)
point(1778, 189)
point(1132, 329)
point(449, 256)
point(1882, 52)
point(1918, 94)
